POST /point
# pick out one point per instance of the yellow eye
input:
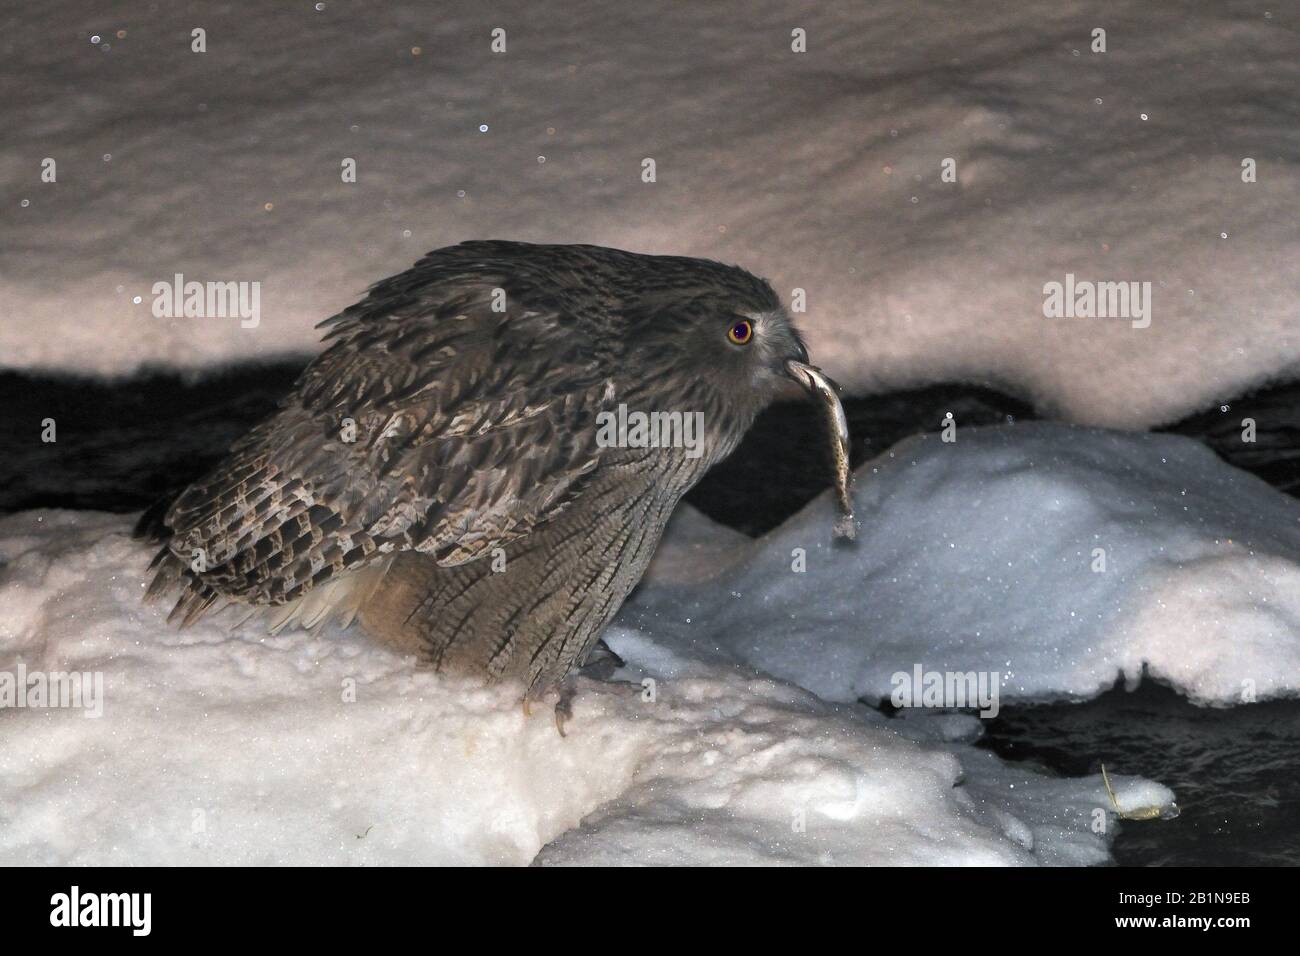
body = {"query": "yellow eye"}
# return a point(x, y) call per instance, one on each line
point(740, 332)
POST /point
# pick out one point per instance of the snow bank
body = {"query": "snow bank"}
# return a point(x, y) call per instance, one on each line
point(1057, 557)
point(227, 747)
point(820, 170)
point(982, 555)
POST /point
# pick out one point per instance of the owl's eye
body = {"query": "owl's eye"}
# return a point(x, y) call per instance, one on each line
point(740, 332)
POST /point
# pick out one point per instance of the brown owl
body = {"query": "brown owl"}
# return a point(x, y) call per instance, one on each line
point(480, 464)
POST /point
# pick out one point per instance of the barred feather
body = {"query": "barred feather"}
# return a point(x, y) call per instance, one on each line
point(455, 411)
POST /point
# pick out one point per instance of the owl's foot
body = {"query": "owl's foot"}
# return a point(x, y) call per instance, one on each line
point(563, 706)
point(601, 663)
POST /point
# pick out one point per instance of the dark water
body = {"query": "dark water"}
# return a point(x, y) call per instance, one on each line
point(122, 447)
point(1236, 771)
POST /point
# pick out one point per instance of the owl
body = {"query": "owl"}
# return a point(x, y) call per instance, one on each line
point(480, 464)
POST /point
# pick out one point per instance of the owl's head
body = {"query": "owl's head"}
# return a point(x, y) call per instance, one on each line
point(714, 338)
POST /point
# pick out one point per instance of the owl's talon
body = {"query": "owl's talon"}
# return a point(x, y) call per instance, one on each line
point(564, 708)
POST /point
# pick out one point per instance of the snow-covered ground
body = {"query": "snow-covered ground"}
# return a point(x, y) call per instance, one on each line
point(225, 748)
point(239, 748)
point(1060, 557)
point(973, 556)
point(820, 170)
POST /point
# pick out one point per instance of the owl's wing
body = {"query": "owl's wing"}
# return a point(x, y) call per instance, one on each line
point(434, 422)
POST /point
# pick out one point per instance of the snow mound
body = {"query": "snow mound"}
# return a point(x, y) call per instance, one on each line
point(1057, 557)
point(822, 170)
point(232, 747)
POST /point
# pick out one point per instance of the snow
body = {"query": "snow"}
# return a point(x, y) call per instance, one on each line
point(232, 747)
point(980, 555)
point(820, 170)
point(750, 744)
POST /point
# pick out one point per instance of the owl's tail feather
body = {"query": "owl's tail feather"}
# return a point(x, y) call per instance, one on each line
point(192, 604)
point(152, 525)
point(169, 571)
point(340, 598)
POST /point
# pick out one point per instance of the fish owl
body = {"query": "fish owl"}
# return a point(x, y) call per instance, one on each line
point(480, 464)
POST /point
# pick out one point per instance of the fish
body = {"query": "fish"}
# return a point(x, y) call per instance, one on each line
point(820, 386)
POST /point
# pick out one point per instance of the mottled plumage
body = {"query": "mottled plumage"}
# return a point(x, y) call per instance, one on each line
point(475, 519)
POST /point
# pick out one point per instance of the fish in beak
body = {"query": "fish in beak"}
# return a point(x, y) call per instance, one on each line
point(820, 387)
